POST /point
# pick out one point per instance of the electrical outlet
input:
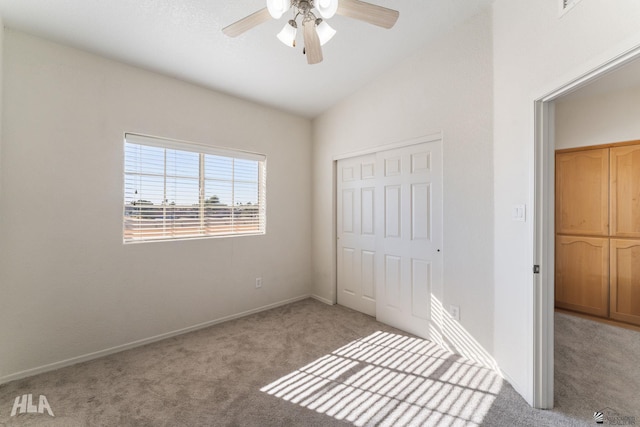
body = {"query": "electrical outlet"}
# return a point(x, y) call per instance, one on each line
point(258, 282)
point(454, 310)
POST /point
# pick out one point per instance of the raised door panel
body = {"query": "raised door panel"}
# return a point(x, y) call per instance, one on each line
point(348, 210)
point(347, 262)
point(420, 211)
point(369, 275)
point(393, 211)
point(582, 274)
point(393, 281)
point(421, 289)
point(625, 191)
point(625, 280)
point(582, 192)
point(367, 211)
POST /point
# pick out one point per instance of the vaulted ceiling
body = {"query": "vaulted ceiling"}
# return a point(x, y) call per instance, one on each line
point(183, 38)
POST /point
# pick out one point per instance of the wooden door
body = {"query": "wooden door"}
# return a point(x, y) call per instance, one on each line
point(625, 191)
point(582, 193)
point(356, 245)
point(625, 280)
point(582, 274)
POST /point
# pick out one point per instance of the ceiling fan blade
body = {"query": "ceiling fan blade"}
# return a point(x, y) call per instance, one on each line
point(312, 46)
point(367, 12)
point(247, 23)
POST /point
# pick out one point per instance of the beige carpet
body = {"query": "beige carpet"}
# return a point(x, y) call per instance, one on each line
point(597, 368)
point(304, 364)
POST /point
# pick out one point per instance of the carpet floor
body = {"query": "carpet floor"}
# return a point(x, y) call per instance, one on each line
point(597, 368)
point(303, 364)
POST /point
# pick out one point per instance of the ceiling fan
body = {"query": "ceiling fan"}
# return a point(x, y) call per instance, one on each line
point(316, 31)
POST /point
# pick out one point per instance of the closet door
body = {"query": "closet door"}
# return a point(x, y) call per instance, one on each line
point(625, 280)
point(625, 191)
point(582, 193)
point(409, 241)
point(356, 244)
point(582, 274)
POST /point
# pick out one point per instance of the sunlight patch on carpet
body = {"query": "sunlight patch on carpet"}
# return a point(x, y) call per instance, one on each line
point(392, 380)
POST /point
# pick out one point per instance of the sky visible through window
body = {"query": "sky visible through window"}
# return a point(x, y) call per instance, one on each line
point(229, 181)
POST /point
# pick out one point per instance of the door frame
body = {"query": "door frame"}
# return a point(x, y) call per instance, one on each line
point(543, 190)
point(433, 137)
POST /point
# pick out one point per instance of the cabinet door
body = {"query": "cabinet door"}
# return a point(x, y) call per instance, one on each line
point(582, 192)
point(582, 274)
point(625, 191)
point(625, 280)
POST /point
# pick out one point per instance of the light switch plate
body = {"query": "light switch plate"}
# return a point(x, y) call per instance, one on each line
point(519, 213)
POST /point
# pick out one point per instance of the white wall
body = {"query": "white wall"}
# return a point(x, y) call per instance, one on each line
point(69, 285)
point(598, 119)
point(444, 87)
point(536, 52)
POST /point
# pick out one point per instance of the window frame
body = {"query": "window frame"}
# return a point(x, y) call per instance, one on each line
point(202, 150)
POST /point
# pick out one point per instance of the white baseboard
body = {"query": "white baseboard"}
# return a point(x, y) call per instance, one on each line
point(145, 341)
point(520, 390)
point(324, 300)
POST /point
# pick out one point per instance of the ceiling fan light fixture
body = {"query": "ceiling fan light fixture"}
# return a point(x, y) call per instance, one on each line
point(325, 32)
point(327, 8)
point(277, 8)
point(288, 34)
point(312, 14)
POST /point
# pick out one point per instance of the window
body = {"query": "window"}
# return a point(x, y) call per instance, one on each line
point(177, 190)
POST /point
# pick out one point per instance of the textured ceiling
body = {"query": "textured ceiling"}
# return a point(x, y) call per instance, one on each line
point(183, 38)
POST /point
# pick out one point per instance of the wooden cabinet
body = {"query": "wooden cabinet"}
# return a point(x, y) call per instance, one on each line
point(598, 231)
point(625, 191)
point(582, 274)
point(582, 193)
point(625, 280)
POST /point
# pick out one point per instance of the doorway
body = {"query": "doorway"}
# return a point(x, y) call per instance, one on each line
point(544, 239)
point(389, 234)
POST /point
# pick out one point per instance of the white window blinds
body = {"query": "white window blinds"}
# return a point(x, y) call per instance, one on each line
point(177, 190)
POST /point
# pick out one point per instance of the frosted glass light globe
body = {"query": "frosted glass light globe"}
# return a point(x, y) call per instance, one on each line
point(277, 8)
point(327, 8)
